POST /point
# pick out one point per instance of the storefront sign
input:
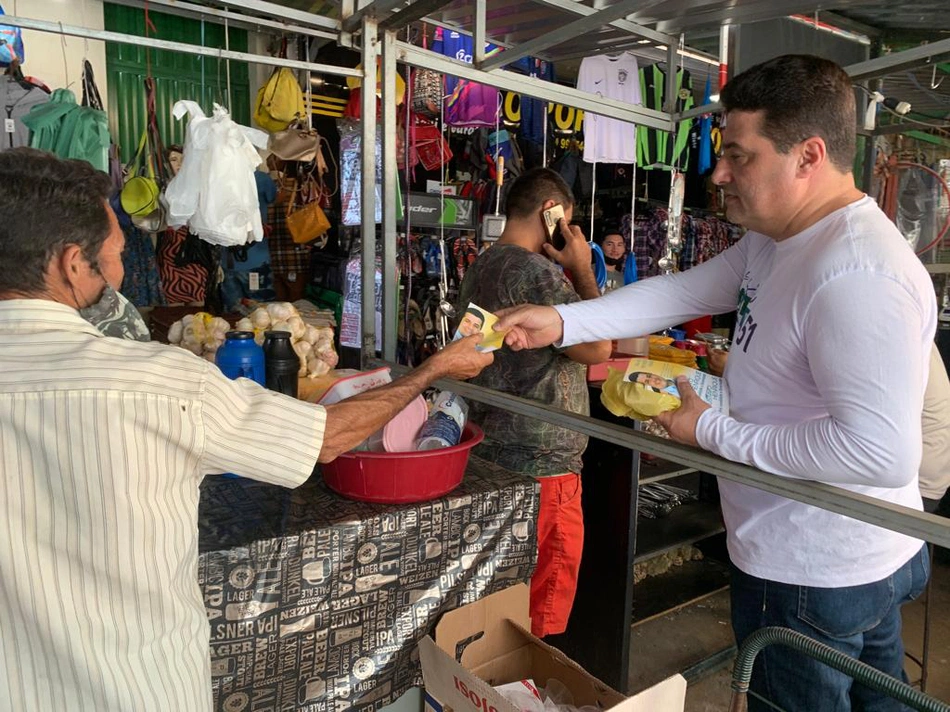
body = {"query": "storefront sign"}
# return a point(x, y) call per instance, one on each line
point(449, 211)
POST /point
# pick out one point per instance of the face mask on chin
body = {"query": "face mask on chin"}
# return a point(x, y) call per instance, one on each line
point(612, 261)
point(116, 316)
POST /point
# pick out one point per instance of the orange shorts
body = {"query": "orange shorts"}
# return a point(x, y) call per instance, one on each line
point(560, 544)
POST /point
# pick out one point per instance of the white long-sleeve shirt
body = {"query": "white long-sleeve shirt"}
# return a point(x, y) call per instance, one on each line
point(826, 379)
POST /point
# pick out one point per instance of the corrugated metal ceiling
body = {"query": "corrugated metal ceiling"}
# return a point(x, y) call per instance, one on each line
point(513, 22)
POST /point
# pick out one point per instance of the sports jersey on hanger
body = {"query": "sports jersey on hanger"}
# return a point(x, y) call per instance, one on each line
point(467, 103)
point(655, 146)
point(608, 140)
point(534, 112)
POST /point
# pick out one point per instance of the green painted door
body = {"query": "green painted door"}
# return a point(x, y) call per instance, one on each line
point(177, 75)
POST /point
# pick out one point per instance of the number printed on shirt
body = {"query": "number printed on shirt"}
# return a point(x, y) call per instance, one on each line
point(744, 333)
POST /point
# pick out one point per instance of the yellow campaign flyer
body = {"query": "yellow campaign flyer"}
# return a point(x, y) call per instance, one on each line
point(477, 320)
point(647, 388)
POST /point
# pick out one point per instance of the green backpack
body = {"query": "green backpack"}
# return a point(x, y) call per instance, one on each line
point(69, 130)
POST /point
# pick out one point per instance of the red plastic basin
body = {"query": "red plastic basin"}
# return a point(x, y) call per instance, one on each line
point(401, 477)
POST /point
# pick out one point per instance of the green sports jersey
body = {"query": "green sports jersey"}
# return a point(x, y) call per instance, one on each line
point(659, 147)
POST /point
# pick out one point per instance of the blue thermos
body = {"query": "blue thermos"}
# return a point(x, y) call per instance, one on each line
point(240, 357)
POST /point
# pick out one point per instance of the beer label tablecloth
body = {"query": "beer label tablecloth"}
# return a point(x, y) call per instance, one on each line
point(317, 603)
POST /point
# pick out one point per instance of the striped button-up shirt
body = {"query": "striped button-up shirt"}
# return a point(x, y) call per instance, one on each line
point(103, 444)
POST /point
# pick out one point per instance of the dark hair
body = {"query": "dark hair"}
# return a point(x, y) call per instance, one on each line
point(607, 232)
point(801, 96)
point(47, 203)
point(476, 313)
point(634, 375)
point(531, 189)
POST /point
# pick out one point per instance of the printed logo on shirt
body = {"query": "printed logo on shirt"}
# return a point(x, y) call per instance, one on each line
point(621, 76)
point(745, 323)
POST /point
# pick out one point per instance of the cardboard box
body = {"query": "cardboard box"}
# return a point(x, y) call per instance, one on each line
point(490, 637)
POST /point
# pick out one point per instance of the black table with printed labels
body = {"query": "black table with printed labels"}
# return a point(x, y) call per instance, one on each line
point(317, 603)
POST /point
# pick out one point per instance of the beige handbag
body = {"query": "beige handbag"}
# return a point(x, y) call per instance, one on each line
point(299, 144)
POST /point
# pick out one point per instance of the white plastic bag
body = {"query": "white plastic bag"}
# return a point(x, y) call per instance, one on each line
point(215, 192)
point(522, 694)
point(181, 195)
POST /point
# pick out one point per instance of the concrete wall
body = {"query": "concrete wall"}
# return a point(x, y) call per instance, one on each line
point(44, 51)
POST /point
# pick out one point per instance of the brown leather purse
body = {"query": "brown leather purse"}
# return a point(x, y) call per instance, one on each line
point(307, 222)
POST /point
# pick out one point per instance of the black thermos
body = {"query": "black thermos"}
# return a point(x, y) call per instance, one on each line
point(281, 363)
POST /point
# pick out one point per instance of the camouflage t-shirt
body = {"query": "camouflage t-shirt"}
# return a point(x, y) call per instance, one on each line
point(504, 276)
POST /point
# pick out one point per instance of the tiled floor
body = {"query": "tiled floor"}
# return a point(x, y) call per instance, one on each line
point(682, 638)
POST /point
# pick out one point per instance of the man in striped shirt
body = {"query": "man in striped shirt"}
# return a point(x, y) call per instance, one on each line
point(103, 443)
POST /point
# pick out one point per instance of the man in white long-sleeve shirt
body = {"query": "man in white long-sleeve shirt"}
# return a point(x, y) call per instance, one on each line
point(836, 317)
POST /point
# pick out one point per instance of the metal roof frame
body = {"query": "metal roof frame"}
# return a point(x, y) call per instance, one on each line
point(898, 61)
point(572, 29)
point(232, 19)
point(108, 36)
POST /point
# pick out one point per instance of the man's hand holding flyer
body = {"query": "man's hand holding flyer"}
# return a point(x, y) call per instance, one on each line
point(648, 388)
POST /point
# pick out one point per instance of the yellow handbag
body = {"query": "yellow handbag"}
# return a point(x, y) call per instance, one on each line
point(308, 222)
point(140, 194)
point(279, 101)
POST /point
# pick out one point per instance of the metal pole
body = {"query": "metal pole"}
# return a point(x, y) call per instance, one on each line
point(227, 64)
point(478, 52)
point(368, 189)
point(669, 93)
point(534, 86)
point(390, 196)
point(107, 36)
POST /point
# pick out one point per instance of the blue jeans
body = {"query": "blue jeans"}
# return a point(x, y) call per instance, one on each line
point(861, 621)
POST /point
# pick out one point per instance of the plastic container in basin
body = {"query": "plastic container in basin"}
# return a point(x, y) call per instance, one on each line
point(401, 477)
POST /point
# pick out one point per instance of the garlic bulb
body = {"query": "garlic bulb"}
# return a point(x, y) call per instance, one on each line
point(219, 324)
point(281, 311)
point(302, 349)
point(196, 347)
point(317, 367)
point(174, 332)
point(311, 334)
point(244, 325)
point(282, 326)
point(260, 319)
point(297, 327)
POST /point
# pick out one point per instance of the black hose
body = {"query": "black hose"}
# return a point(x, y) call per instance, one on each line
point(860, 672)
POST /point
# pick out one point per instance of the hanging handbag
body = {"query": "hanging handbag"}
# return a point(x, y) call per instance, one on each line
point(427, 90)
point(308, 222)
point(296, 144)
point(140, 193)
point(429, 146)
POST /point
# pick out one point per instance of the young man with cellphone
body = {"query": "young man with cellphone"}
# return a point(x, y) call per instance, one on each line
point(521, 268)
